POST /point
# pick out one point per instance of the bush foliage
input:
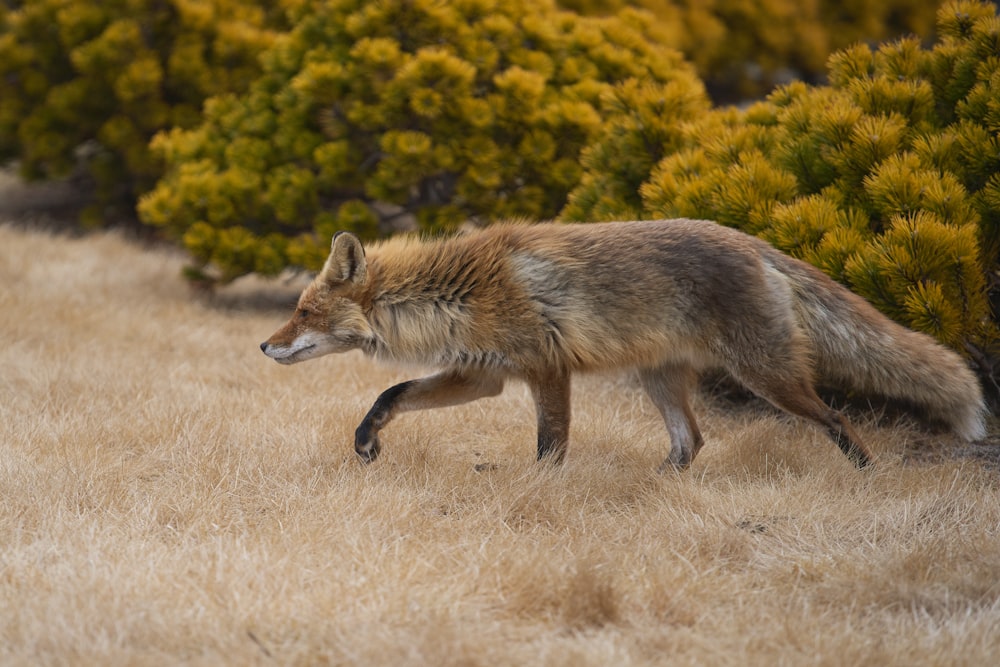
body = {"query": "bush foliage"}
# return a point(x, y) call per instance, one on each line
point(888, 179)
point(366, 112)
point(742, 48)
point(94, 80)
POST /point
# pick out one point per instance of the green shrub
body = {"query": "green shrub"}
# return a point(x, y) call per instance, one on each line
point(742, 48)
point(92, 81)
point(366, 113)
point(887, 178)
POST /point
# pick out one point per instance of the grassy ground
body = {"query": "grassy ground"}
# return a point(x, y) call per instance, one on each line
point(170, 495)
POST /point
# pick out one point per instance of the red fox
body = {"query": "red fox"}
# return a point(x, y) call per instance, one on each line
point(668, 298)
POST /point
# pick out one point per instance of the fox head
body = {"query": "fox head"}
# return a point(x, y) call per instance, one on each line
point(329, 316)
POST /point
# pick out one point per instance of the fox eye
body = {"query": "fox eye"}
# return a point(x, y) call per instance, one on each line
point(303, 313)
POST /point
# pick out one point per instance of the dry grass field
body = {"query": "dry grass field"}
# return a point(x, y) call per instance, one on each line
point(168, 495)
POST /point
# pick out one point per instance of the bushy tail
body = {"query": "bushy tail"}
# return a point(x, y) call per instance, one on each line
point(857, 347)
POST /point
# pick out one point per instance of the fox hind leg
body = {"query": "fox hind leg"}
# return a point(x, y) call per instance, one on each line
point(799, 397)
point(811, 406)
point(437, 391)
point(670, 387)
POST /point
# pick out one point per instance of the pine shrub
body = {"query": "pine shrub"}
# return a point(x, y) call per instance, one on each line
point(89, 82)
point(742, 48)
point(432, 110)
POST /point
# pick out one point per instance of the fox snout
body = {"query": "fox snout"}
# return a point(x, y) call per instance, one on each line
point(308, 345)
point(284, 354)
point(273, 351)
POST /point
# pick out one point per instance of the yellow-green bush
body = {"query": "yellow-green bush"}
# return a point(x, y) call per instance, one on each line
point(888, 179)
point(742, 48)
point(91, 81)
point(443, 110)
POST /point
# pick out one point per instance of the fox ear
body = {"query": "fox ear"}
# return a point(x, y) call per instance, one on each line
point(346, 262)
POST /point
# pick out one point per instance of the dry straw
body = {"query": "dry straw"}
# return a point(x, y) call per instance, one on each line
point(168, 495)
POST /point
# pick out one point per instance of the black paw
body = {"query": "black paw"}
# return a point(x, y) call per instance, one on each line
point(366, 444)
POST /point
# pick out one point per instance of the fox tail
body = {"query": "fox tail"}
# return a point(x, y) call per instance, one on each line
point(856, 347)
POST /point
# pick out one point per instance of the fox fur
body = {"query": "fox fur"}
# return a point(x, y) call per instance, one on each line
point(668, 298)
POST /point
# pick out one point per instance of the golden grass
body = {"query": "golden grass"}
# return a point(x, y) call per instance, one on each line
point(170, 495)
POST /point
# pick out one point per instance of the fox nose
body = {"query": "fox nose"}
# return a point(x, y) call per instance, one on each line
point(263, 347)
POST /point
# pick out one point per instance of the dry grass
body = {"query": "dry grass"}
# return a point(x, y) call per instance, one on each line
point(169, 495)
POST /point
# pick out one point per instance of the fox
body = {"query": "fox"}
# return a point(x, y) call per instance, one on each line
point(665, 299)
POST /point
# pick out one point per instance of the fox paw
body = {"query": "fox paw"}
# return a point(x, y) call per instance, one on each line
point(366, 445)
point(678, 461)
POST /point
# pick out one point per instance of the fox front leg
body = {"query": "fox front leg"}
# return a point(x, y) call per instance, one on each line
point(552, 406)
point(437, 391)
point(366, 442)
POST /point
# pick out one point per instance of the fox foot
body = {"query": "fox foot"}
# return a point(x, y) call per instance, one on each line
point(671, 466)
point(679, 460)
point(366, 444)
